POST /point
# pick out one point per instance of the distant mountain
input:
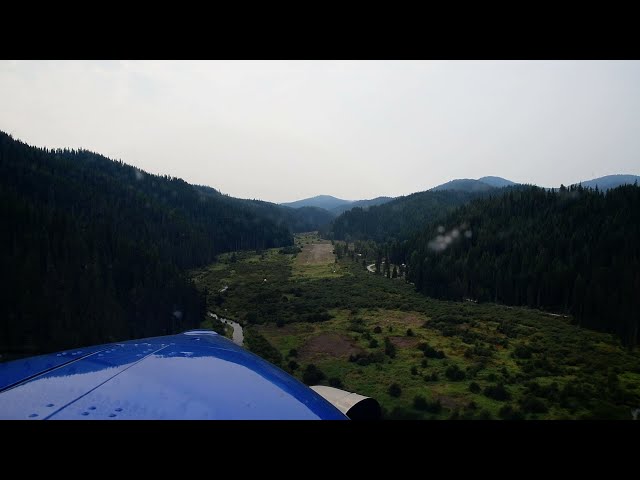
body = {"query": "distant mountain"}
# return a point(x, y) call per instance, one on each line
point(306, 219)
point(302, 219)
point(471, 185)
point(321, 201)
point(335, 206)
point(464, 185)
point(398, 218)
point(497, 182)
point(611, 181)
point(361, 203)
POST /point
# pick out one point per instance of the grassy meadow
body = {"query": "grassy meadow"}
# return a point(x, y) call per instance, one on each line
point(331, 322)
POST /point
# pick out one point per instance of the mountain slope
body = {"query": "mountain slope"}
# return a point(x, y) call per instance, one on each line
point(464, 185)
point(497, 182)
point(302, 219)
point(98, 248)
point(398, 218)
point(575, 251)
point(360, 203)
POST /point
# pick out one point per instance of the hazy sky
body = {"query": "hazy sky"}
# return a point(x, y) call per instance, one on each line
point(284, 130)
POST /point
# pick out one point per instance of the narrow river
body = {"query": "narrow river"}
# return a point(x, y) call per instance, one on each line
point(238, 335)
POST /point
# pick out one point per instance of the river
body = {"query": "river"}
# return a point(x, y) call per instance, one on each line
point(238, 334)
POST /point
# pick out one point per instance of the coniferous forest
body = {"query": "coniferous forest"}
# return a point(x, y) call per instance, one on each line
point(95, 250)
point(397, 219)
point(573, 251)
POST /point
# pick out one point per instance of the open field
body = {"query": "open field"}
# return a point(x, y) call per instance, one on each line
point(366, 333)
point(316, 260)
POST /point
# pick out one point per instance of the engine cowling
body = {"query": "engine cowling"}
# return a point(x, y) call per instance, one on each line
point(353, 405)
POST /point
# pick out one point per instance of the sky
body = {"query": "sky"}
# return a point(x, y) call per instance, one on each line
point(285, 130)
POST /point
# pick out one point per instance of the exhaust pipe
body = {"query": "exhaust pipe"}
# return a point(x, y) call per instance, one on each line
point(354, 406)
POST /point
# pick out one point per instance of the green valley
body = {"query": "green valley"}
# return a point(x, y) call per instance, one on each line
point(332, 322)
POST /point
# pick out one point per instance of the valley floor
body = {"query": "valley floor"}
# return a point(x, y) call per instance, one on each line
point(332, 322)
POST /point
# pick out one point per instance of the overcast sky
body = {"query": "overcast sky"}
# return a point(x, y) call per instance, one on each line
point(285, 130)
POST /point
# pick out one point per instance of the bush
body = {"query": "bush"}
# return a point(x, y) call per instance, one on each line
point(389, 348)
point(430, 352)
point(377, 330)
point(421, 403)
point(497, 392)
point(485, 415)
point(293, 353)
point(508, 413)
point(335, 382)
point(312, 375)
point(293, 365)
point(433, 377)
point(373, 343)
point(454, 373)
point(410, 332)
point(395, 390)
point(531, 404)
point(414, 370)
point(522, 351)
point(367, 358)
point(474, 387)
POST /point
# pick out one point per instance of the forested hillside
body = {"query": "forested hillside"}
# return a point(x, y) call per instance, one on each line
point(94, 250)
point(575, 251)
point(300, 219)
point(364, 204)
point(397, 219)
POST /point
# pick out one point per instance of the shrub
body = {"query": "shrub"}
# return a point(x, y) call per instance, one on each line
point(389, 348)
point(312, 375)
point(430, 352)
point(335, 382)
point(433, 377)
point(485, 415)
point(421, 403)
point(474, 387)
point(454, 373)
point(395, 390)
point(522, 351)
point(507, 412)
point(377, 330)
point(410, 332)
point(497, 392)
point(533, 404)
